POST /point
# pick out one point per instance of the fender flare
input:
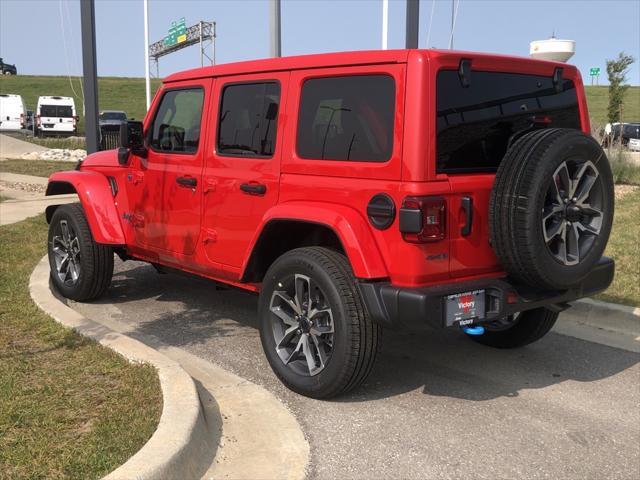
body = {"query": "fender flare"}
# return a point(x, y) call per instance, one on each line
point(350, 227)
point(96, 198)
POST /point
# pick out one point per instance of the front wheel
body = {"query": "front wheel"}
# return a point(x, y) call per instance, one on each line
point(517, 330)
point(315, 331)
point(81, 269)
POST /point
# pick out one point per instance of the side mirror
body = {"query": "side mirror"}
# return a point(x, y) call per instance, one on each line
point(131, 141)
point(131, 135)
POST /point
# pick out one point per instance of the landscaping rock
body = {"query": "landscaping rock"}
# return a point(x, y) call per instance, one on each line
point(56, 154)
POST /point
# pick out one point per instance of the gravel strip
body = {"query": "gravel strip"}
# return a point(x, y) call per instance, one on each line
point(23, 186)
point(622, 190)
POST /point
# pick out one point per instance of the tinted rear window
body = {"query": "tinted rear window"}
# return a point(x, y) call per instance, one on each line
point(632, 131)
point(347, 118)
point(475, 124)
point(56, 111)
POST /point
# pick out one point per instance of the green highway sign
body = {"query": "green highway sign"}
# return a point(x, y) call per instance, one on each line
point(594, 71)
point(177, 33)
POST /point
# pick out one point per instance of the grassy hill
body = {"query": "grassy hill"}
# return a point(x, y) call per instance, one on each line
point(117, 93)
point(114, 93)
point(598, 99)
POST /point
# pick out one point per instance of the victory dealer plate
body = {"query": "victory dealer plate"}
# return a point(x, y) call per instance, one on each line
point(464, 307)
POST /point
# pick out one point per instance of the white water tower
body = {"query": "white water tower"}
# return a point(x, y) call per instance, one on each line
point(553, 49)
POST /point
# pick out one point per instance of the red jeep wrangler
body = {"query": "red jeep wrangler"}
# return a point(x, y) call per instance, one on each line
point(409, 189)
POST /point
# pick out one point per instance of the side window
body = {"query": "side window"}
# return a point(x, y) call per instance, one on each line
point(248, 119)
point(347, 118)
point(176, 126)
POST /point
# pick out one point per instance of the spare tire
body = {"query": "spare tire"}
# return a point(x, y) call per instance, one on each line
point(551, 208)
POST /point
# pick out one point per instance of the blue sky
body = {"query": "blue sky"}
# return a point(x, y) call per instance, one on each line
point(31, 31)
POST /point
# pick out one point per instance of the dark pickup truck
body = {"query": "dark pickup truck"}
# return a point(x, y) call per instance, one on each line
point(7, 69)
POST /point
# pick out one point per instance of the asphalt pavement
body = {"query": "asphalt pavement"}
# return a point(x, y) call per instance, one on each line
point(435, 405)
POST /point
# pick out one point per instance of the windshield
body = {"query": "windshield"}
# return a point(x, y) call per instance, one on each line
point(113, 116)
point(56, 111)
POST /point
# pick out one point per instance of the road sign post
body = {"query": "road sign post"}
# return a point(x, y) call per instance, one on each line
point(594, 72)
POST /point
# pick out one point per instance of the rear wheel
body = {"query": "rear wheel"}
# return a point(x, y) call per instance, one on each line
point(81, 269)
point(517, 330)
point(314, 328)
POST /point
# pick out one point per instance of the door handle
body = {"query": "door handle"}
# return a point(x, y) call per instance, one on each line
point(467, 206)
point(187, 181)
point(254, 188)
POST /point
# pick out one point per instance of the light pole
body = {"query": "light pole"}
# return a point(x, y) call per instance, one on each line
point(413, 21)
point(147, 79)
point(385, 24)
point(90, 74)
point(276, 39)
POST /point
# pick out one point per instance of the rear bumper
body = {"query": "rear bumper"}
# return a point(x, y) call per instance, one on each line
point(422, 308)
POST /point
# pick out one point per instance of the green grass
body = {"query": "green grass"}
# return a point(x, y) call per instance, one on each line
point(624, 171)
point(37, 168)
point(598, 100)
point(69, 408)
point(114, 93)
point(623, 248)
point(71, 143)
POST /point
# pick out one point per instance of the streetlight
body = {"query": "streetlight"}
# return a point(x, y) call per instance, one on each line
point(147, 78)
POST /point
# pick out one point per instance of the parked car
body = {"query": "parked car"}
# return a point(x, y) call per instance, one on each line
point(355, 191)
point(112, 118)
point(621, 133)
point(7, 69)
point(29, 120)
point(12, 112)
point(629, 131)
point(56, 116)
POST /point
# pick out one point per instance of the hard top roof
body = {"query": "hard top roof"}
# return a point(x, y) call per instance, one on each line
point(341, 59)
point(294, 63)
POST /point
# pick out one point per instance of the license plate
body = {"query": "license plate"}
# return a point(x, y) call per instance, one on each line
point(464, 308)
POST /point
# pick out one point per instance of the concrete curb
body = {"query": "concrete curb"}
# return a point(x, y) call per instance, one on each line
point(609, 324)
point(180, 446)
point(610, 316)
point(600, 305)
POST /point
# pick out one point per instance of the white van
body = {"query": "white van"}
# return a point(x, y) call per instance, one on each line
point(56, 115)
point(13, 114)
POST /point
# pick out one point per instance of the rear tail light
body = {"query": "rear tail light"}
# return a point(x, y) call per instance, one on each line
point(512, 297)
point(542, 120)
point(22, 120)
point(423, 219)
point(75, 121)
